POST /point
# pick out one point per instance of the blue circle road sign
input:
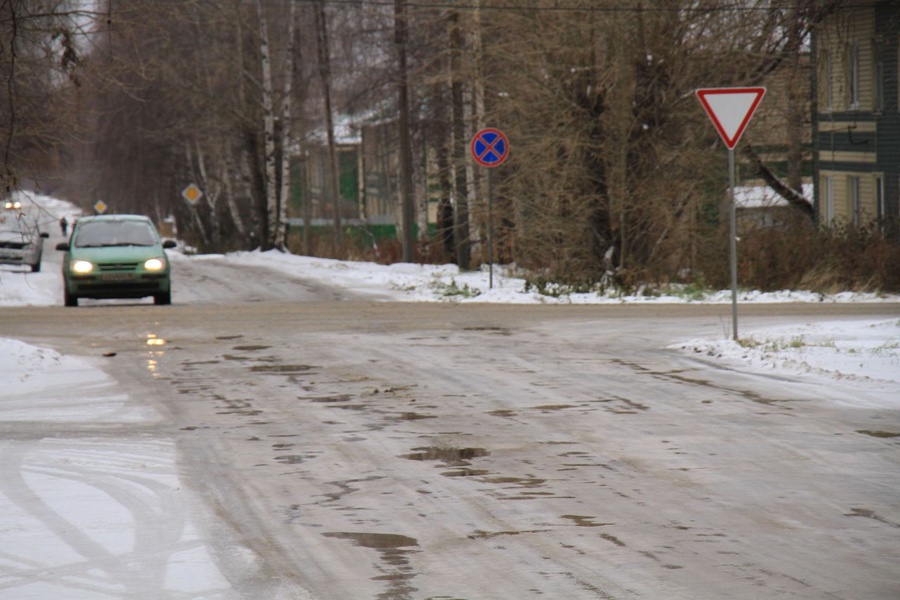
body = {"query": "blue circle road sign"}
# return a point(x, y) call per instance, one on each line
point(490, 147)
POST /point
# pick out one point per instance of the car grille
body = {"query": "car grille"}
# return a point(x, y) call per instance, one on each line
point(14, 245)
point(118, 266)
point(110, 287)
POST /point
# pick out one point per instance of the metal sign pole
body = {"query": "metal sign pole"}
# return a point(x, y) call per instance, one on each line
point(733, 246)
point(490, 148)
point(490, 229)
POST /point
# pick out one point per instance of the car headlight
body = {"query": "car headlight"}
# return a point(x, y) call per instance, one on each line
point(82, 267)
point(155, 264)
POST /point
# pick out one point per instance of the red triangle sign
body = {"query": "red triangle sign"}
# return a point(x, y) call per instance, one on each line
point(730, 109)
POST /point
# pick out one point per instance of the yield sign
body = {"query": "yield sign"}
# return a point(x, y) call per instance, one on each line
point(730, 109)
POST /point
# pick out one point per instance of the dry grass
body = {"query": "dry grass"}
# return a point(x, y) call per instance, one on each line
point(826, 260)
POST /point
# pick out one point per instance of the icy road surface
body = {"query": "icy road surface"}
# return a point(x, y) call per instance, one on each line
point(280, 434)
point(334, 450)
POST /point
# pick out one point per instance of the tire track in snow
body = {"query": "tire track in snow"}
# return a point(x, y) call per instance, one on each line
point(110, 519)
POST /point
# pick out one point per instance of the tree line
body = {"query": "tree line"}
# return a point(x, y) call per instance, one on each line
point(613, 167)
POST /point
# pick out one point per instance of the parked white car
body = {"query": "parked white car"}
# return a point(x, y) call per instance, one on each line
point(21, 240)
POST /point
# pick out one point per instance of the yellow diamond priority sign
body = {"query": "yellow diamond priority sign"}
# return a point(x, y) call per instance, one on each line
point(100, 207)
point(192, 194)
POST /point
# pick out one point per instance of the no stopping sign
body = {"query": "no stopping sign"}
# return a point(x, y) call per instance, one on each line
point(490, 147)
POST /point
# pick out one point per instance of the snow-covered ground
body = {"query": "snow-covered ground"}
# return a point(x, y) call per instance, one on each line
point(843, 350)
point(855, 349)
point(93, 488)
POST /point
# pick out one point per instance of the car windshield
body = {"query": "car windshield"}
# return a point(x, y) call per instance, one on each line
point(15, 223)
point(114, 233)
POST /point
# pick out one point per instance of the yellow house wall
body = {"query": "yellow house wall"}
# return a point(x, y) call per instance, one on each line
point(855, 26)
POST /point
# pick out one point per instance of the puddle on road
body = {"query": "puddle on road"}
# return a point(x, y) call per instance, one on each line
point(622, 406)
point(394, 550)
point(377, 541)
point(244, 358)
point(502, 413)
point(350, 406)
point(613, 539)
point(486, 535)
point(489, 329)
point(870, 514)
point(251, 348)
point(585, 521)
point(878, 434)
point(294, 459)
point(457, 458)
point(448, 456)
point(525, 482)
point(555, 407)
point(281, 368)
point(678, 377)
point(198, 363)
point(347, 487)
point(237, 407)
point(413, 416)
point(466, 472)
point(328, 399)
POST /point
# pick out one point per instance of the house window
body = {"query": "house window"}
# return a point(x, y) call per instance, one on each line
point(853, 75)
point(878, 76)
point(853, 190)
point(827, 215)
point(879, 201)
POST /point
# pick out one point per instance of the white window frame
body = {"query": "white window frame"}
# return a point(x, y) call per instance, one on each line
point(853, 75)
point(880, 207)
point(880, 203)
point(853, 191)
point(827, 200)
point(878, 77)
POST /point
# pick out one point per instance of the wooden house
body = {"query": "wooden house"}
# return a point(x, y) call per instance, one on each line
point(856, 126)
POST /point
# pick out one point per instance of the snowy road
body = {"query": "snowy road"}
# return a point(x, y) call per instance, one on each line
point(381, 450)
point(273, 435)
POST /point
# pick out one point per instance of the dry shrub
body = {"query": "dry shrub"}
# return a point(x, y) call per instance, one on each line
point(825, 260)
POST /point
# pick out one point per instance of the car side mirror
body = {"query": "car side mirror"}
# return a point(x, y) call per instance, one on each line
point(169, 244)
point(45, 235)
point(64, 246)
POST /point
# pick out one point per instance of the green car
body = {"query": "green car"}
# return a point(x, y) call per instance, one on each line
point(116, 256)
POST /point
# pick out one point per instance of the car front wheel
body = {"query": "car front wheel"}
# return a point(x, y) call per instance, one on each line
point(165, 298)
point(70, 300)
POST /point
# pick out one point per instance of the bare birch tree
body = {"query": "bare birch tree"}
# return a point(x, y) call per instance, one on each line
point(42, 46)
point(287, 138)
point(268, 103)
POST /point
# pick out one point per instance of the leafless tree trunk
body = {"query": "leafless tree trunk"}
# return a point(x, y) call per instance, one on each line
point(608, 145)
point(334, 187)
point(461, 236)
point(286, 135)
point(268, 93)
point(41, 64)
point(798, 101)
point(406, 166)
